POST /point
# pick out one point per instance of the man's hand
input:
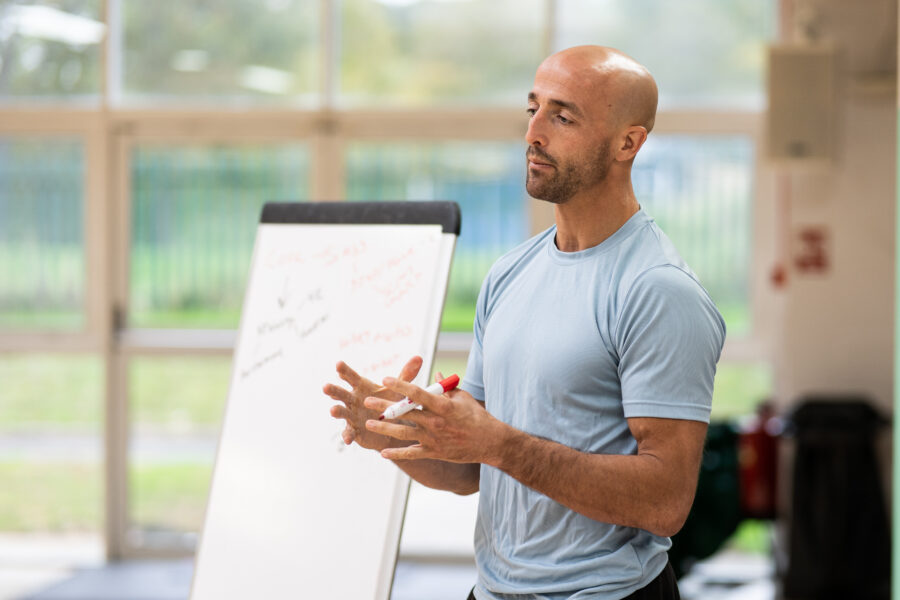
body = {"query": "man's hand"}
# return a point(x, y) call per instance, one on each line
point(454, 427)
point(355, 413)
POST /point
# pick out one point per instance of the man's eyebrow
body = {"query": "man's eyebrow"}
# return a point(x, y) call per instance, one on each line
point(532, 97)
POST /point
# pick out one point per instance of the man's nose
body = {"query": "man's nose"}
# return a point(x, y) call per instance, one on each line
point(535, 134)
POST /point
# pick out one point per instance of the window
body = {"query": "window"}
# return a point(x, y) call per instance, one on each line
point(176, 406)
point(50, 53)
point(194, 215)
point(415, 53)
point(51, 446)
point(229, 51)
point(703, 53)
point(699, 189)
point(42, 262)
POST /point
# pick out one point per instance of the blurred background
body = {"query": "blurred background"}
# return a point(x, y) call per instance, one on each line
point(139, 140)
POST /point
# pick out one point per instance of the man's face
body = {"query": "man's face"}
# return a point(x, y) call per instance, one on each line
point(567, 150)
point(557, 178)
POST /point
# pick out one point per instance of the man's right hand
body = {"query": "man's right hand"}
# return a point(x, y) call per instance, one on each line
point(354, 412)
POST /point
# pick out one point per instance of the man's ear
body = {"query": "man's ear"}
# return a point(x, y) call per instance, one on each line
point(630, 142)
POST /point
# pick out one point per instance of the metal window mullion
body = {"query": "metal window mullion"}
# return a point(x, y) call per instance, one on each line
point(328, 57)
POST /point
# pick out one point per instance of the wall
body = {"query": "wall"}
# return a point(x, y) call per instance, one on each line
point(835, 331)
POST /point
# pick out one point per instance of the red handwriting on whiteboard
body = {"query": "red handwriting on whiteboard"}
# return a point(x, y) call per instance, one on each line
point(385, 269)
point(331, 254)
point(284, 258)
point(400, 287)
point(383, 365)
point(327, 256)
point(365, 337)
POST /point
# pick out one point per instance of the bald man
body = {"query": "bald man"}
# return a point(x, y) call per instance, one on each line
point(584, 406)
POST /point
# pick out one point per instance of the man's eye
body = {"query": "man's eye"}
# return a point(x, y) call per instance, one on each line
point(562, 119)
point(530, 111)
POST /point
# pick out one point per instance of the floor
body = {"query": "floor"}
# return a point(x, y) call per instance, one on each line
point(43, 570)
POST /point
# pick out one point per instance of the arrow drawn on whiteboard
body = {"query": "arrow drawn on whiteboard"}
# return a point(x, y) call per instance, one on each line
point(284, 296)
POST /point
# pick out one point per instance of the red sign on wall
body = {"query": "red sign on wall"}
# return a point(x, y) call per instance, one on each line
point(812, 250)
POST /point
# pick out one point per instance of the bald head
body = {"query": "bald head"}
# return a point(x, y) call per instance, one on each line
point(625, 85)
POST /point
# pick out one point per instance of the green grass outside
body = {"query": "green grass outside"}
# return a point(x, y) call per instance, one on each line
point(180, 392)
point(68, 497)
point(169, 497)
point(50, 497)
point(51, 391)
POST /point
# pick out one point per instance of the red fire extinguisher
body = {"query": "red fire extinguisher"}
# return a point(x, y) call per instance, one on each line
point(758, 464)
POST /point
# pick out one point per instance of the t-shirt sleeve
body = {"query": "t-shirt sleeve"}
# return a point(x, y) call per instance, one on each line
point(669, 336)
point(473, 380)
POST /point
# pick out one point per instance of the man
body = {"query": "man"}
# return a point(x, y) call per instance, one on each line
point(584, 407)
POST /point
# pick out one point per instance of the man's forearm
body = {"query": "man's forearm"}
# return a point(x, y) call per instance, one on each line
point(648, 490)
point(459, 478)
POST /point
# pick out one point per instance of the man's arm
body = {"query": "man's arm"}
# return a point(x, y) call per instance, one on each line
point(652, 490)
point(454, 477)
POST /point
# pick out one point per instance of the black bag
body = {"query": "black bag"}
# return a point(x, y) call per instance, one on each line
point(839, 537)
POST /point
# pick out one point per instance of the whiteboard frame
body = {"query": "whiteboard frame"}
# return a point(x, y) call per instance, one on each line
point(445, 214)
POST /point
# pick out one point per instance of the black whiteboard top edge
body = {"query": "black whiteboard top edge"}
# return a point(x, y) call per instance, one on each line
point(443, 213)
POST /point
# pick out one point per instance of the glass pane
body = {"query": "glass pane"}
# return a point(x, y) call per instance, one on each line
point(248, 51)
point(702, 52)
point(50, 49)
point(421, 52)
point(51, 450)
point(42, 266)
point(740, 388)
point(700, 191)
point(194, 215)
point(486, 179)
point(176, 407)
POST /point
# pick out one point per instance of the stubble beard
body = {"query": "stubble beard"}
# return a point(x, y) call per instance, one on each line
point(567, 179)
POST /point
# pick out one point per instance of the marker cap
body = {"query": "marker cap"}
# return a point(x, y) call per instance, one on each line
point(450, 383)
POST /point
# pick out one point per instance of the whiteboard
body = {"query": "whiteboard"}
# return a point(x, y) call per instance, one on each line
point(292, 511)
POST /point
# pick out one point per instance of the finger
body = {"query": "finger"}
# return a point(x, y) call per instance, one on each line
point(338, 393)
point(407, 453)
point(394, 430)
point(348, 374)
point(411, 369)
point(377, 404)
point(340, 412)
point(348, 435)
point(434, 403)
point(438, 377)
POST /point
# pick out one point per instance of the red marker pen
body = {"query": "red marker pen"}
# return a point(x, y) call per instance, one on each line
point(404, 406)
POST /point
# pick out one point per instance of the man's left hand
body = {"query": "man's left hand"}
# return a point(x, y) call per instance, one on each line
point(453, 427)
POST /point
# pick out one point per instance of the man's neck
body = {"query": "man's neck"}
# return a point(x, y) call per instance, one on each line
point(586, 220)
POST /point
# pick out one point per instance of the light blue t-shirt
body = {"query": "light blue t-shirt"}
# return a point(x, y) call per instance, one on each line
point(567, 346)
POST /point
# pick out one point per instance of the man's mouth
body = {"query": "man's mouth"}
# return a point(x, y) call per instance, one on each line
point(534, 160)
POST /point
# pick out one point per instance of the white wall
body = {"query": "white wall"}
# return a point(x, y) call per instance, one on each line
point(835, 329)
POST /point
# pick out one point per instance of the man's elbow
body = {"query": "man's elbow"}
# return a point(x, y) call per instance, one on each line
point(669, 526)
point(466, 490)
point(670, 518)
